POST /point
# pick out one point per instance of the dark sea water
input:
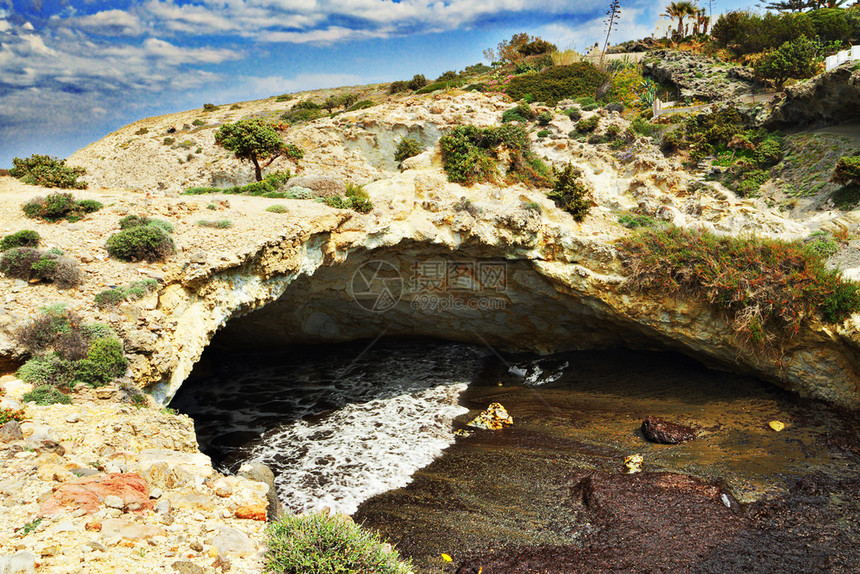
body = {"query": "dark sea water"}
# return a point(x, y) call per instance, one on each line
point(367, 428)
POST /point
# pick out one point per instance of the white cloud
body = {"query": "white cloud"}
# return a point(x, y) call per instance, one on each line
point(109, 22)
point(175, 55)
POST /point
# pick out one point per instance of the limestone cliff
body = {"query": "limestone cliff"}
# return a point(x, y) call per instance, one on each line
point(276, 279)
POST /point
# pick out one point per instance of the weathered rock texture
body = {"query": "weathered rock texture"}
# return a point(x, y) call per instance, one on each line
point(831, 98)
point(698, 76)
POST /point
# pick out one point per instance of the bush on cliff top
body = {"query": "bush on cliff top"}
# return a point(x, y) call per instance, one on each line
point(47, 171)
point(140, 243)
point(768, 288)
point(470, 154)
point(558, 83)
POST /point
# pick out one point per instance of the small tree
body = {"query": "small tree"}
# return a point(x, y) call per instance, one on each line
point(570, 193)
point(253, 140)
point(47, 171)
point(791, 60)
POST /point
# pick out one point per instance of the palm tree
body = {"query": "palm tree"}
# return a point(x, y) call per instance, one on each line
point(701, 23)
point(680, 10)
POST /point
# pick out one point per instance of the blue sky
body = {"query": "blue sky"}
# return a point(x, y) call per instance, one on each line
point(72, 71)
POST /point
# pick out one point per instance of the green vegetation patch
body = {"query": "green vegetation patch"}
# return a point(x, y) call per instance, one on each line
point(767, 288)
point(57, 206)
point(808, 162)
point(67, 351)
point(408, 147)
point(570, 193)
point(28, 264)
point(557, 83)
point(334, 544)
point(356, 199)
point(23, 238)
point(140, 243)
point(132, 292)
point(270, 186)
point(470, 154)
point(45, 395)
point(47, 171)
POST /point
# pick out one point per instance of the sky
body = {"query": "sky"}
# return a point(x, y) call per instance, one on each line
point(72, 71)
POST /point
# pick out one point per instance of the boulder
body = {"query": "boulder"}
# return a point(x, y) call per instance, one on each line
point(89, 493)
point(228, 540)
point(11, 432)
point(259, 472)
point(663, 432)
point(22, 562)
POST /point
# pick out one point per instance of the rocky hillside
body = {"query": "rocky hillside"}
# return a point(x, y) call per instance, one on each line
point(282, 276)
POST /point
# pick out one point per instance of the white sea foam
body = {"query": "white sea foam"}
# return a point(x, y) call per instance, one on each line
point(360, 450)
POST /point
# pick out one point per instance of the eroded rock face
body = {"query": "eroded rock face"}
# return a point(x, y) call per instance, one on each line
point(832, 97)
point(272, 282)
point(697, 76)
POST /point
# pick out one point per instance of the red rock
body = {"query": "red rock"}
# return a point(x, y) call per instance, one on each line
point(252, 512)
point(89, 493)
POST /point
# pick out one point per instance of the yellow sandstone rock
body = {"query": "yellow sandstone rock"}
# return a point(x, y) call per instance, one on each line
point(494, 418)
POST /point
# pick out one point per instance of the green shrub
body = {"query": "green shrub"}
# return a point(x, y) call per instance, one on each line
point(360, 105)
point(168, 141)
point(23, 238)
point(643, 127)
point(821, 244)
point(558, 83)
point(574, 114)
point(521, 113)
point(301, 115)
point(209, 107)
point(198, 122)
point(408, 147)
point(791, 60)
point(588, 125)
point(590, 107)
point(321, 544)
point(235, 107)
point(635, 221)
point(140, 243)
point(109, 297)
point(570, 193)
point(219, 224)
point(49, 370)
point(43, 333)
point(132, 292)
point(614, 107)
point(446, 85)
point(104, 363)
point(585, 101)
point(47, 171)
point(543, 133)
point(277, 209)
point(847, 171)
point(417, 82)
point(57, 206)
point(283, 98)
point(45, 395)
point(544, 118)
point(791, 284)
point(306, 105)
point(358, 198)
point(141, 132)
point(27, 263)
point(132, 221)
point(470, 155)
point(269, 187)
point(397, 87)
point(751, 181)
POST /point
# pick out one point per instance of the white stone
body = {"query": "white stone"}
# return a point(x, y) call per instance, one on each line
point(22, 562)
